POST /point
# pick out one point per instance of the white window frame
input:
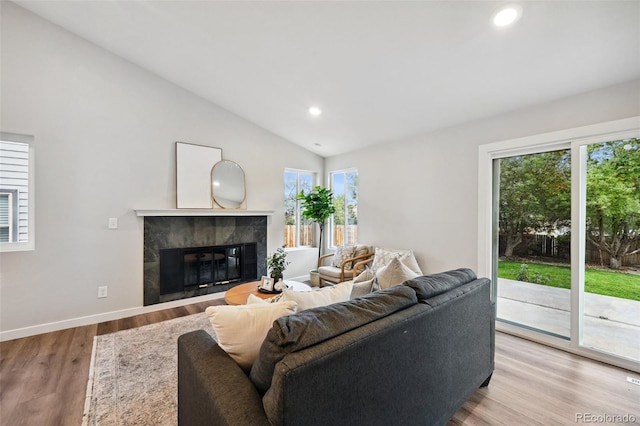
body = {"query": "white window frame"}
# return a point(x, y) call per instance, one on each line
point(30, 243)
point(575, 139)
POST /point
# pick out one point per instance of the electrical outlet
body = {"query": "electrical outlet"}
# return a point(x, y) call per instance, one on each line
point(113, 223)
point(633, 380)
point(102, 291)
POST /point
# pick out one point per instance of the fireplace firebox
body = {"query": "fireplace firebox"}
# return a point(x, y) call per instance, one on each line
point(183, 269)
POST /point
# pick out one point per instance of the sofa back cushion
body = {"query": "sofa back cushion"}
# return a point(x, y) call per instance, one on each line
point(429, 286)
point(307, 328)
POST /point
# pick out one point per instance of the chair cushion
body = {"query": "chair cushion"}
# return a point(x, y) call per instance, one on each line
point(305, 329)
point(333, 272)
point(341, 254)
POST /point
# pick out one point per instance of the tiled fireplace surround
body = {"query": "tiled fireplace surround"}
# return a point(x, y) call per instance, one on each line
point(196, 231)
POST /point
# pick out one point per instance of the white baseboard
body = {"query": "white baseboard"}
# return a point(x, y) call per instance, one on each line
point(301, 278)
point(98, 318)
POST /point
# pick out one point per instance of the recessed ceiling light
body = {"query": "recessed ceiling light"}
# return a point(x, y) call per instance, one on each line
point(507, 15)
point(315, 111)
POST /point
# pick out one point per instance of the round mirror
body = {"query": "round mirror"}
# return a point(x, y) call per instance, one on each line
point(227, 184)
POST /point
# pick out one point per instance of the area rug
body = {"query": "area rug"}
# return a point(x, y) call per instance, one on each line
point(133, 375)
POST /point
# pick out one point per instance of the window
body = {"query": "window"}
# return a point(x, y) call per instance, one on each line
point(344, 223)
point(16, 192)
point(298, 231)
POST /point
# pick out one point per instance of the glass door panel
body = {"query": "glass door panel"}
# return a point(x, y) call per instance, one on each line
point(611, 314)
point(533, 211)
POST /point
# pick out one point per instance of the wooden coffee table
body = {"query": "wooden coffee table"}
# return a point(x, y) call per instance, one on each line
point(238, 295)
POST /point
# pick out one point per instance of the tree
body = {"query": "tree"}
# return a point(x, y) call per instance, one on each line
point(534, 195)
point(317, 206)
point(613, 198)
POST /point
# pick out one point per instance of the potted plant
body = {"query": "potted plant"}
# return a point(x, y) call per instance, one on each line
point(277, 263)
point(317, 207)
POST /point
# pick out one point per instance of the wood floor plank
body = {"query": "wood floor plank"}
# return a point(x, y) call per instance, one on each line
point(43, 380)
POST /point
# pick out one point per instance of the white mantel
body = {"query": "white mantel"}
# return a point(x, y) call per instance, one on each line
point(202, 212)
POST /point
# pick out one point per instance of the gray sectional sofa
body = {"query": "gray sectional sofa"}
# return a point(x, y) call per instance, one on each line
point(408, 355)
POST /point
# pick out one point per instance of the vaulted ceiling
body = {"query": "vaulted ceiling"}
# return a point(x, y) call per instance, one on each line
point(380, 71)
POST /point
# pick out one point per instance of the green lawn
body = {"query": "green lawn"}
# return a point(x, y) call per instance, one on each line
point(616, 284)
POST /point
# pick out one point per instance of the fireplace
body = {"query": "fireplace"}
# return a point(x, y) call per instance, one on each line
point(191, 268)
point(206, 254)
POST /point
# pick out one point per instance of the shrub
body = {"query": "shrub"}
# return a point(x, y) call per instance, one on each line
point(536, 278)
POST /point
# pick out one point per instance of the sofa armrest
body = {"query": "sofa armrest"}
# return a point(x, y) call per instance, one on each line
point(212, 388)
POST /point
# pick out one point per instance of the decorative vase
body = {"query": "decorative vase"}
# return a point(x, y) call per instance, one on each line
point(315, 278)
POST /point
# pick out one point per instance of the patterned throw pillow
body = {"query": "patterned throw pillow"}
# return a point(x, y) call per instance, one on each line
point(343, 253)
point(383, 257)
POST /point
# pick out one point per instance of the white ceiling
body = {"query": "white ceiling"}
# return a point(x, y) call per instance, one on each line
point(381, 71)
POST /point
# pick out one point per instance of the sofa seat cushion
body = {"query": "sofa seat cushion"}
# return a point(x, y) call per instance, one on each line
point(430, 286)
point(307, 328)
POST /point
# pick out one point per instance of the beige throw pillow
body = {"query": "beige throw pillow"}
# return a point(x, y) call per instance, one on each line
point(241, 329)
point(393, 274)
point(321, 297)
point(363, 283)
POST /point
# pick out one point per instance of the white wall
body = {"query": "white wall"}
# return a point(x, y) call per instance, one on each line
point(105, 133)
point(422, 193)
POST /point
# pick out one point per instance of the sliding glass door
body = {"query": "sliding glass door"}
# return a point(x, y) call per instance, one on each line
point(559, 233)
point(533, 219)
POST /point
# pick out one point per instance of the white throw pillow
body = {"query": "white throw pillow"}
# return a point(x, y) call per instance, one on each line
point(393, 274)
point(241, 329)
point(321, 297)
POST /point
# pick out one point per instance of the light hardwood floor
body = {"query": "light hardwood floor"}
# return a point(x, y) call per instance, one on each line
point(43, 380)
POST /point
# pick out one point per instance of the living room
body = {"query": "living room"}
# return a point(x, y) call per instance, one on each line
point(105, 130)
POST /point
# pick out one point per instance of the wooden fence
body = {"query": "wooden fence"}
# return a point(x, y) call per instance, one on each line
point(559, 248)
point(306, 235)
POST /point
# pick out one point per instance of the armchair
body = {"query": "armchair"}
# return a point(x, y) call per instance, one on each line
point(342, 263)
